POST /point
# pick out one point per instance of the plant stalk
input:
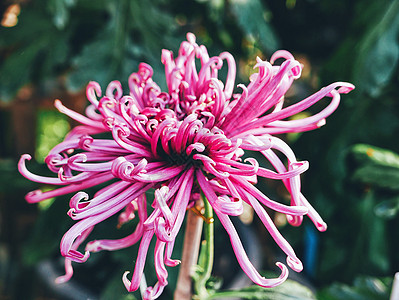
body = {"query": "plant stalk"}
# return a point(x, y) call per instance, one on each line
point(205, 264)
point(192, 239)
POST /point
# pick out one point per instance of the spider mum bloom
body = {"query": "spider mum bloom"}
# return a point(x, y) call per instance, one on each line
point(179, 143)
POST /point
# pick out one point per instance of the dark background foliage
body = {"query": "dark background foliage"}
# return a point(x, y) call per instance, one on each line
point(50, 49)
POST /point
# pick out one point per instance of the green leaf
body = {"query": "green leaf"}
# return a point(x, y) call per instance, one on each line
point(377, 166)
point(32, 56)
point(377, 175)
point(95, 62)
point(288, 290)
point(377, 244)
point(252, 17)
point(364, 288)
point(378, 52)
point(370, 154)
point(130, 37)
point(15, 72)
point(387, 209)
point(60, 11)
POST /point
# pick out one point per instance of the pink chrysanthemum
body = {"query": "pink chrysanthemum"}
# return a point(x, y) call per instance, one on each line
point(179, 143)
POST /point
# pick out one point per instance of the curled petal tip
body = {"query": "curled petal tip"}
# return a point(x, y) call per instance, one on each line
point(71, 212)
point(294, 220)
point(295, 264)
point(346, 88)
point(281, 54)
point(301, 211)
point(75, 255)
point(58, 105)
point(33, 196)
point(260, 63)
point(284, 273)
point(78, 158)
point(93, 86)
point(322, 122)
point(62, 279)
point(25, 157)
point(172, 262)
point(93, 246)
point(321, 226)
point(190, 37)
point(148, 294)
point(76, 200)
point(126, 281)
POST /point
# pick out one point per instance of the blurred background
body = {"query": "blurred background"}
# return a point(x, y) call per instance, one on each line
point(51, 48)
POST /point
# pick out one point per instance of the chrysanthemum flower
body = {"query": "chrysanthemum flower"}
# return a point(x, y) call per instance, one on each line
point(179, 143)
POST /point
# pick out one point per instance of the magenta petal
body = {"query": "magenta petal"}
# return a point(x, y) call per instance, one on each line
point(33, 177)
point(97, 216)
point(37, 196)
point(225, 206)
point(134, 284)
point(243, 260)
point(292, 259)
point(180, 204)
point(68, 272)
point(111, 245)
point(296, 108)
point(78, 117)
point(249, 188)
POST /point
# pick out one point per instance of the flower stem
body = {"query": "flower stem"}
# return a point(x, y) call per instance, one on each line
point(189, 258)
point(205, 263)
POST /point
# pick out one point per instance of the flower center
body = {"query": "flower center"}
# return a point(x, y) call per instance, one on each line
point(182, 159)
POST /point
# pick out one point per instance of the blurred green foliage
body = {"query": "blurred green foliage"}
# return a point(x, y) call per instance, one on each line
point(363, 288)
point(349, 182)
point(376, 167)
point(353, 178)
point(290, 290)
point(51, 130)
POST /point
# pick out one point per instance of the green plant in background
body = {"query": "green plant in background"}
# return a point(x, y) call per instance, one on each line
point(357, 40)
point(363, 288)
point(51, 130)
point(378, 171)
point(78, 38)
point(370, 116)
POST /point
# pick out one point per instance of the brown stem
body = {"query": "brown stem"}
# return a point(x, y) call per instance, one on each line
point(192, 239)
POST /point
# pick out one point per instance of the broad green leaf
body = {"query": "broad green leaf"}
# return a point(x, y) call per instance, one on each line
point(378, 53)
point(367, 154)
point(129, 38)
point(370, 249)
point(364, 288)
point(387, 209)
point(252, 18)
point(377, 166)
point(378, 175)
point(16, 70)
point(377, 244)
point(59, 9)
point(95, 62)
point(32, 55)
point(289, 290)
